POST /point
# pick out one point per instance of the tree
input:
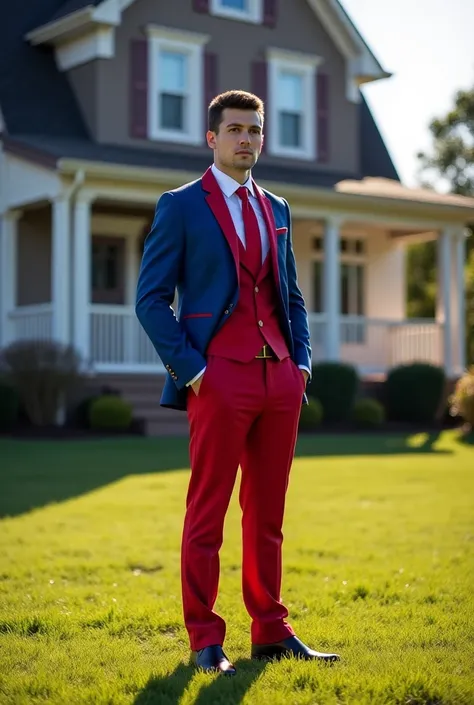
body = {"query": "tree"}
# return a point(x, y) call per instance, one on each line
point(450, 162)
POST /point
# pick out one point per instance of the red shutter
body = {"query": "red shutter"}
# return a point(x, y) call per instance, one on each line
point(322, 117)
point(210, 81)
point(270, 11)
point(201, 5)
point(139, 88)
point(259, 88)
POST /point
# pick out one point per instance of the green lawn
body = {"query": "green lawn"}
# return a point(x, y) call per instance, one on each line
point(378, 565)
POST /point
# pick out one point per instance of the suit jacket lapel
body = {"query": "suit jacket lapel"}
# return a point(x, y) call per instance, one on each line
point(218, 206)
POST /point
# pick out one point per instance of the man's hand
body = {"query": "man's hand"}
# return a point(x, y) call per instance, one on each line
point(196, 385)
point(305, 375)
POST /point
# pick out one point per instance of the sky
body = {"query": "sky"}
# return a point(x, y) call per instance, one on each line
point(429, 49)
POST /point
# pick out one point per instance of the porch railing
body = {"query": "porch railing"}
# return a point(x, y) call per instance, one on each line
point(375, 345)
point(31, 322)
point(118, 341)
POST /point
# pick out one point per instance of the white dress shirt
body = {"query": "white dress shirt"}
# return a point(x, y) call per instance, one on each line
point(229, 186)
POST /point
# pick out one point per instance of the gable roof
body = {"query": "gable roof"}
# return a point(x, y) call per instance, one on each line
point(364, 65)
point(44, 120)
point(34, 95)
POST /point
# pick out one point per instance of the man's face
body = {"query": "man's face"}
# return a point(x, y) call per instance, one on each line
point(238, 143)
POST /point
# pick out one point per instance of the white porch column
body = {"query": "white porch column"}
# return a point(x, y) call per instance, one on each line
point(460, 257)
point(332, 289)
point(61, 269)
point(81, 276)
point(8, 273)
point(444, 298)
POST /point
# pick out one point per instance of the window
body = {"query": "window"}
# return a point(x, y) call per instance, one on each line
point(246, 10)
point(292, 104)
point(107, 265)
point(176, 90)
point(352, 281)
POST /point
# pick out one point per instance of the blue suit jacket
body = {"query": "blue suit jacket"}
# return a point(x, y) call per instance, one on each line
point(193, 247)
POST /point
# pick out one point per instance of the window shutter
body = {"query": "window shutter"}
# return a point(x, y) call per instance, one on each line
point(322, 117)
point(210, 81)
point(139, 88)
point(259, 88)
point(270, 11)
point(201, 5)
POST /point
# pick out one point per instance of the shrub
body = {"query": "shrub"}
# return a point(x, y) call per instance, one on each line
point(311, 415)
point(335, 384)
point(368, 413)
point(110, 412)
point(462, 400)
point(414, 392)
point(79, 412)
point(43, 372)
point(9, 405)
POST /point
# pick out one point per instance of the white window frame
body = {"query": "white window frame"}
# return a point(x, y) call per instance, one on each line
point(304, 65)
point(254, 13)
point(192, 45)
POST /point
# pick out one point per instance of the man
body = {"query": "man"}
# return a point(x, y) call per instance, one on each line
point(238, 356)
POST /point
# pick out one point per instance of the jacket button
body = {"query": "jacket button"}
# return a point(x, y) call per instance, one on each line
point(260, 323)
point(226, 312)
point(256, 289)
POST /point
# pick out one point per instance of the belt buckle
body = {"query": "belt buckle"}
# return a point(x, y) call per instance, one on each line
point(265, 353)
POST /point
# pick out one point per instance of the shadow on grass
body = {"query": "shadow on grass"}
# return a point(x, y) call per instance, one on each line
point(36, 473)
point(217, 690)
point(370, 444)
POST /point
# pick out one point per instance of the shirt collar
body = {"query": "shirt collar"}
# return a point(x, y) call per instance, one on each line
point(228, 185)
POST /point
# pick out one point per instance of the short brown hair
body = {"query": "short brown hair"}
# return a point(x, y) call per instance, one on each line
point(240, 100)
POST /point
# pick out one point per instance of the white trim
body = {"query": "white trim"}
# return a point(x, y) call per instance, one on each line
point(305, 66)
point(99, 44)
point(190, 44)
point(254, 13)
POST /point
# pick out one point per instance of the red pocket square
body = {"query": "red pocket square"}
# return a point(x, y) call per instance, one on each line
point(281, 231)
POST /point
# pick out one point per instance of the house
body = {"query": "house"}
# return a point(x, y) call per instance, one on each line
point(103, 107)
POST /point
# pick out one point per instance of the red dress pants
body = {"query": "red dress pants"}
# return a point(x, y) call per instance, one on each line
point(245, 414)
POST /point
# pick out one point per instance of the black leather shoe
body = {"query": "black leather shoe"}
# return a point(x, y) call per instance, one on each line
point(213, 658)
point(290, 647)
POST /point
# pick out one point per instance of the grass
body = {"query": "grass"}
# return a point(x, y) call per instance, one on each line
point(378, 565)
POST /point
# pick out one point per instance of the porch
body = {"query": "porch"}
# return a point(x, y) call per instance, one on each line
point(69, 270)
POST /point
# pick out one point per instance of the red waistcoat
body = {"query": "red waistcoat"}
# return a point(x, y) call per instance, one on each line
point(254, 321)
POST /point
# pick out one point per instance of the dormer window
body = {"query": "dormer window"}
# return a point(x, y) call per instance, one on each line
point(245, 10)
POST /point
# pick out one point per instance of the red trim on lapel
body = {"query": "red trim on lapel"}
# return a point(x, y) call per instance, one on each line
point(267, 211)
point(217, 204)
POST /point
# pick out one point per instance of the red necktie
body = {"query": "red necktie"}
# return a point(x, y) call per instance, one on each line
point(253, 243)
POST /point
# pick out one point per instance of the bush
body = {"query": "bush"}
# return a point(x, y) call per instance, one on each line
point(79, 412)
point(462, 400)
point(9, 405)
point(110, 412)
point(43, 372)
point(368, 413)
point(335, 384)
point(414, 392)
point(311, 415)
